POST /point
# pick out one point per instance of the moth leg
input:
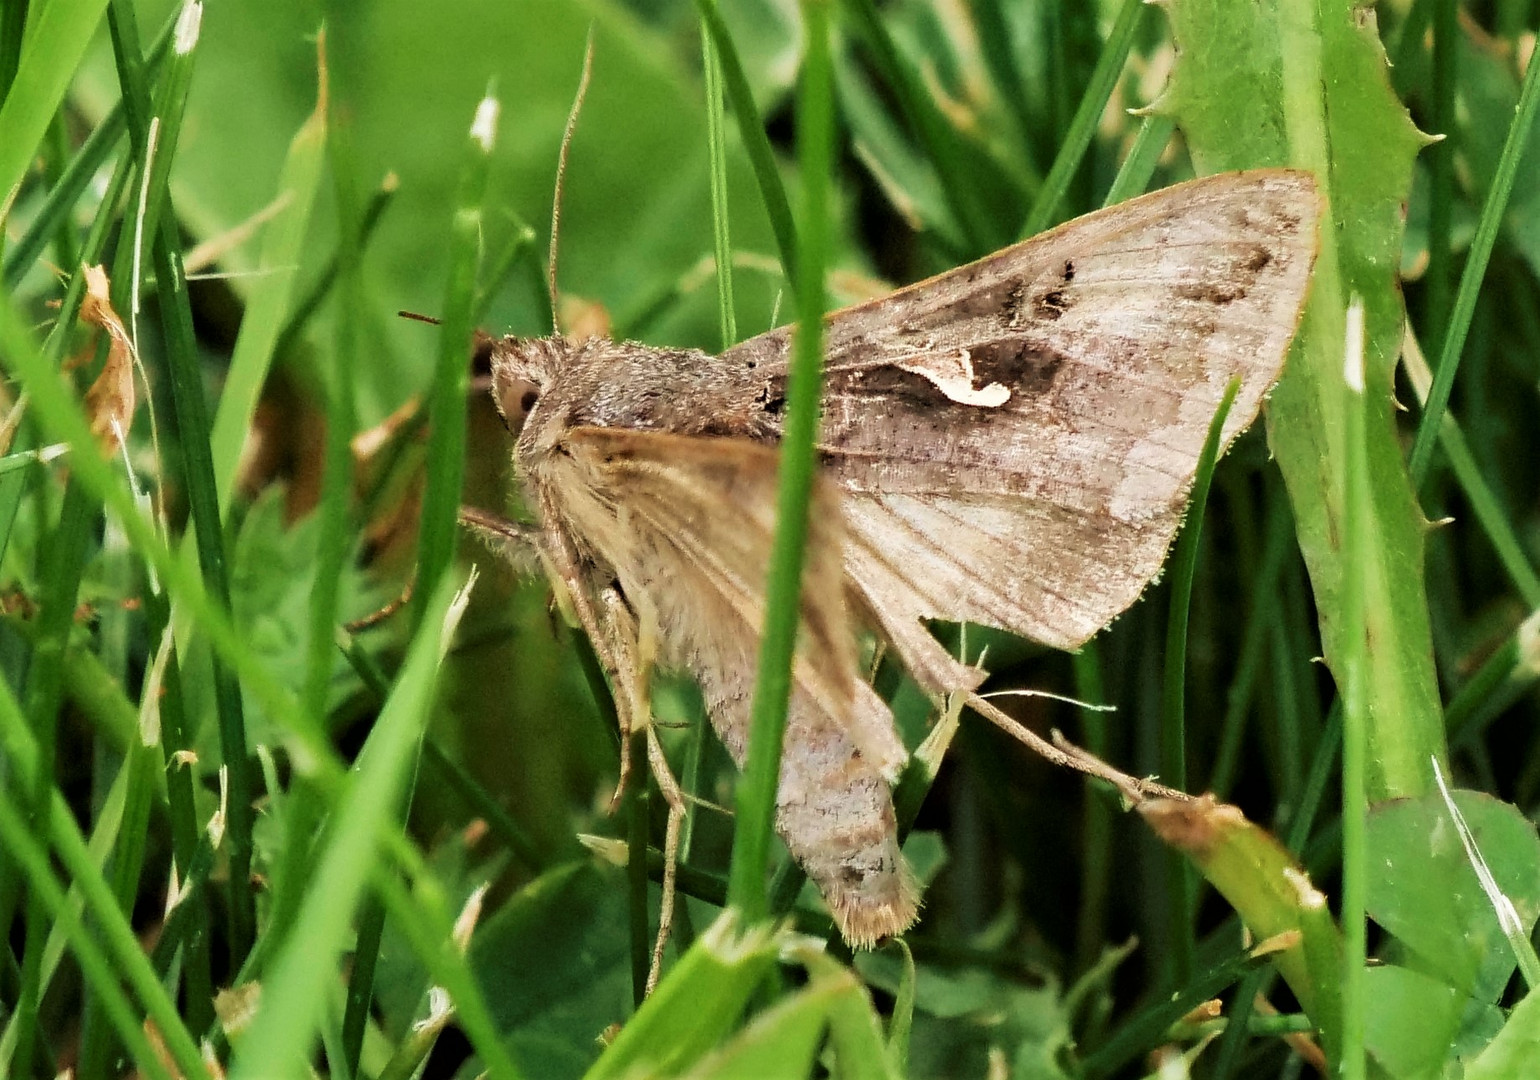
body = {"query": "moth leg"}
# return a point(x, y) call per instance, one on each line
point(607, 633)
point(1065, 754)
point(630, 679)
point(634, 637)
point(675, 799)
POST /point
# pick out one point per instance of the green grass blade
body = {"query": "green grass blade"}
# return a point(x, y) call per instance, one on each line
point(293, 997)
point(755, 142)
point(1134, 174)
point(451, 380)
point(54, 44)
point(98, 146)
point(63, 195)
point(303, 310)
point(1082, 128)
point(439, 529)
point(335, 541)
point(268, 304)
point(58, 825)
point(957, 171)
point(192, 422)
point(716, 144)
point(1487, 228)
point(772, 688)
point(1355, 706)
point(1512, 668)
point(1173, 703)
point(16, 837)
point(1448, 39)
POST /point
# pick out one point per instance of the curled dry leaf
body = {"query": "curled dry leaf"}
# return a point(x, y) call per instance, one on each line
point(110, 401)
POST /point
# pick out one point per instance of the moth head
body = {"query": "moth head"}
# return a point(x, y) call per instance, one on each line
point(522, 369)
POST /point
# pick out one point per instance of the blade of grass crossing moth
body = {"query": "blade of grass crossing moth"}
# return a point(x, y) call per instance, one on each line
point(1082, 128)
point(716, 145)
point(1355, 803)
point(55, 42)
point(755, 142)
point(1487, 228)
point(270, 299)
point(441, 497)
point(110, 922)
point(293, 997)
point(772, 687)
point(1173, 710)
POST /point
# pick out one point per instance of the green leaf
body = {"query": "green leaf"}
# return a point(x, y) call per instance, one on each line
point(272, 572)
point(1293, 82)
point(1513, 1053)
point(55, 41)
point(1420, 1026)
point(552, 961)
point(698, 1002)
point(1424, 891)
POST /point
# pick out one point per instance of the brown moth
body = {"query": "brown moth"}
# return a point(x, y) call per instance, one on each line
point(1010, 443)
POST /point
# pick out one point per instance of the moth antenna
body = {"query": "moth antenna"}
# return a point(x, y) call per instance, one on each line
point(429, 319)
point(561, 169)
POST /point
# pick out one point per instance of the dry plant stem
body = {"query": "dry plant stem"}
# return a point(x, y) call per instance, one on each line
point(1064, 753)
point(379, 615)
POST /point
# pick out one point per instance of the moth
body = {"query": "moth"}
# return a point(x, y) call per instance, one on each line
point(1010, 444)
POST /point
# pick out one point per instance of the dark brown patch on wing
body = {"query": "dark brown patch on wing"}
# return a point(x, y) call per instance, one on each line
point(1017, 364)
point(1211, 292)
point(1052, 304)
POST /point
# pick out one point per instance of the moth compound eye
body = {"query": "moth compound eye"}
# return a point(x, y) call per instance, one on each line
point(515, 397)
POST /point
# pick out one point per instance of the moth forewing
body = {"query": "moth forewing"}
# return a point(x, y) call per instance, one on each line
point(1010, 443)
point(685, 526)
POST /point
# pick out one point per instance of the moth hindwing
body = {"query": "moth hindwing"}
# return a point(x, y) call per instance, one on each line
point(1010, 443)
